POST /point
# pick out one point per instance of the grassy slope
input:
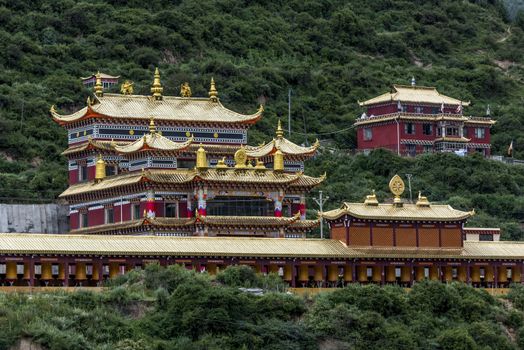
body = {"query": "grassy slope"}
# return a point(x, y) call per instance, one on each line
point(331, 53)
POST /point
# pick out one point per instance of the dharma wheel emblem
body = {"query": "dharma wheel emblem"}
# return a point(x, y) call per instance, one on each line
point(240, 158)
point(397, 187)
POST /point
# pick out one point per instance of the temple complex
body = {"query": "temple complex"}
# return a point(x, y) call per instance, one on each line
point(416, 119)
point(180, 166)
point(143, 169)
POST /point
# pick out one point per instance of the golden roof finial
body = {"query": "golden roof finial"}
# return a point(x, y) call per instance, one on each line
point(156, 88)
point(213, 93)
point(397, 187)
point(152, 128)
point(185, 90)
point(201, 161)
point(100, 169)
point(278, 161)
point(99, 88)
point(280, 131)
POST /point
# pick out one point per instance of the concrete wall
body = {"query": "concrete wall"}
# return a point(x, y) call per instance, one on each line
point(34, 218)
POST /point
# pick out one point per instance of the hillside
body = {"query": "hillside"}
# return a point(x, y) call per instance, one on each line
point(330, 53)
point(179, 309)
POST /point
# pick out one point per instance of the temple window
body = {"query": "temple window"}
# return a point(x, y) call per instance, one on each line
point(135, 211)
point(82, 173)
point(411, 150)
point(427, 129)
point(419, 109)
point(485, 237)
point(409, 128)
point(404, 108)
point(186, 163)
point(83, 220)
point(172, 210)
point(240, 206)
point(480, 133)
point(465, 131)
point(368, 134)
point(109, 215)
point(452, 131)
point(111, 170)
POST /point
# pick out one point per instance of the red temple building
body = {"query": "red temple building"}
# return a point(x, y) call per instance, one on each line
point(180, 166)
point(106, 80)
point(416, 119)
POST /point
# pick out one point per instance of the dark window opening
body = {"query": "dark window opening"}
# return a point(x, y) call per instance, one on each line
point(240, 206)
point(171, 210)
point(427, 129)
point(409, 128)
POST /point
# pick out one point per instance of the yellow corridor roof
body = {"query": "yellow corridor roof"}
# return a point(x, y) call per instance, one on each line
point(169, 246)
point(416, 94)
point(170, 108)
point(411, 212)
point(39, 244)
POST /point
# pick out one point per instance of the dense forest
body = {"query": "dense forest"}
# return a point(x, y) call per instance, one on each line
point(173, 308)
point(329, 53)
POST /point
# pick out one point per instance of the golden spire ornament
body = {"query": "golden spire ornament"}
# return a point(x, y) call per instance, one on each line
point(280, 131)
point(152, 128)
point(213, 93)
point(99, 88)
point(156, 88)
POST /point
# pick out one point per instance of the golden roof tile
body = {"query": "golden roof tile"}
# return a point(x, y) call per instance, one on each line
point(248, 220)
point(169, 246)
point(153, 141)
point(411, 212)
point(284, 145)
point(415, 94)
point(153, 222)
point(170, 108)
point(182, 176)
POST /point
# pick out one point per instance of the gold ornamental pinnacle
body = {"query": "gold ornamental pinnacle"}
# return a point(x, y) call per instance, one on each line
point(397, 187)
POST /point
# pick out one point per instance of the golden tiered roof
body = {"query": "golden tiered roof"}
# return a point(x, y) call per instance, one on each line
point(182, 176)
point(280, 143)
point(153, 141)
point(414, 94)
point(411, 212)
point(239, 246)
point(169, 108)
point(422, 210)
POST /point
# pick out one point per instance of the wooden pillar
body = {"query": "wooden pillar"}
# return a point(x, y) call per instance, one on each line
point(496, 276)
point(31, 272)
point(382, 274)
point(354, 272)
point(468, 273)
point(293, 275)
point(66, 274)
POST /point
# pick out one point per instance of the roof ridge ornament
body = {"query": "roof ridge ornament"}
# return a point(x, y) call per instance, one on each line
point(99, 87)
point(127, 87)
point(397, 187)
point(100, 169)
point(185, 90)
point(213, 93)
point(371, 199)
point(152, 128)
point(422, 200)
point(278, 161)
point(240, 158)
point(280, 131)
point(201, 161)
point(156, 88)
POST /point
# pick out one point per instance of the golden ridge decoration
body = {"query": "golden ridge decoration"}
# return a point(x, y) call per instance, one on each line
point(213, 93)
point(99, 88)
point(156, 88)
point(185, 90)
point(397, 187)
point(127, 88)
point(240, 157)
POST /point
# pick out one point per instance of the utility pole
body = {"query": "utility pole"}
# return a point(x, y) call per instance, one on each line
point(409, 176)
point(320, 201)
point(289, 111)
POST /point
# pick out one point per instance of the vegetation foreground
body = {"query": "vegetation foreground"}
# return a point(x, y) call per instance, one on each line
point(174, 308)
